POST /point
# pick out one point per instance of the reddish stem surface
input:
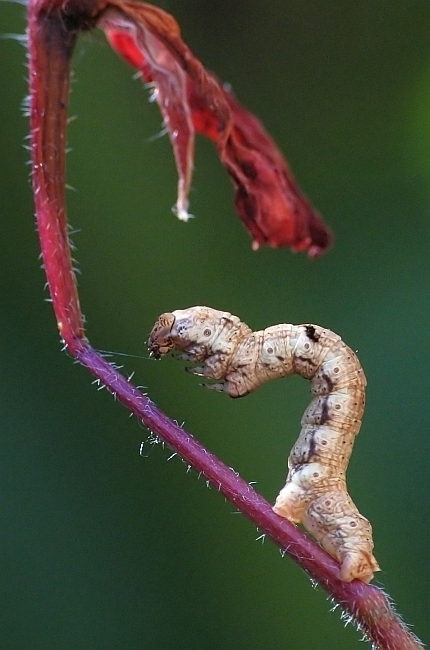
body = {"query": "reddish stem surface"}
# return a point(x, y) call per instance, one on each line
point(52, 30)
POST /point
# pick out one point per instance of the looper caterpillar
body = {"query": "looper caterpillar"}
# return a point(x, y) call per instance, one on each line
point(315, 492)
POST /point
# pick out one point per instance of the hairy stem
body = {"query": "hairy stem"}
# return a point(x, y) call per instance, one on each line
point(53, 27)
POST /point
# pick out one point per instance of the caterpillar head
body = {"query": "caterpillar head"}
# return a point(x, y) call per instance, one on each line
point(160, 340)
point(189, 330)
point(201, 334)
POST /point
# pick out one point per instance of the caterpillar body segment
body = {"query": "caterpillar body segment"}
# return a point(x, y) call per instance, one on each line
point(315, 493)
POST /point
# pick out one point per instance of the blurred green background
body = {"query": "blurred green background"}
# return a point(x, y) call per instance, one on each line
point(102, 548)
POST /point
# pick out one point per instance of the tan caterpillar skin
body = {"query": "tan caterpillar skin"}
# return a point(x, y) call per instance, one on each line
point(315, 493)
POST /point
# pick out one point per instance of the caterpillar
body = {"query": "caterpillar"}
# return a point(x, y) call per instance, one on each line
point(240, 360)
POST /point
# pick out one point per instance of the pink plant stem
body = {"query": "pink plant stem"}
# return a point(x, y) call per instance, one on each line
point(52, 31)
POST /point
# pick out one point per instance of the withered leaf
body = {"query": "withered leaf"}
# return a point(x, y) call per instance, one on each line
point(192, 100)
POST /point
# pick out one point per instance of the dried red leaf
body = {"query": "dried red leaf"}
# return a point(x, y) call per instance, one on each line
point(192, 100)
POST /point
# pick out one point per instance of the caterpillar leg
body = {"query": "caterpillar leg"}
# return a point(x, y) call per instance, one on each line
point(196, 370)
point(358, 565)
point(183, 356)
point(219, 387)
point(333, 519)
point(291, 502)
point(304, 482)
point(344, 533)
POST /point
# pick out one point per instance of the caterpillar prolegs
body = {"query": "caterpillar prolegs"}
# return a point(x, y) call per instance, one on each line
point(241, 360)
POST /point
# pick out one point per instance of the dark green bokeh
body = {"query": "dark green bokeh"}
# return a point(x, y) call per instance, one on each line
point(102, 548)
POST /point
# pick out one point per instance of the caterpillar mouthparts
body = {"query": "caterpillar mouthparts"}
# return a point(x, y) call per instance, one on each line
point(160, 342)
point(315, 493)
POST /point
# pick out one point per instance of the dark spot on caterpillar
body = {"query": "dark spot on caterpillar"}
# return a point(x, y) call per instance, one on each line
point(280, 358)
point(311, 333)
point(307, 360)
point(297, 467)
point(312, 445)
point(324, 412)
point(328, 381)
